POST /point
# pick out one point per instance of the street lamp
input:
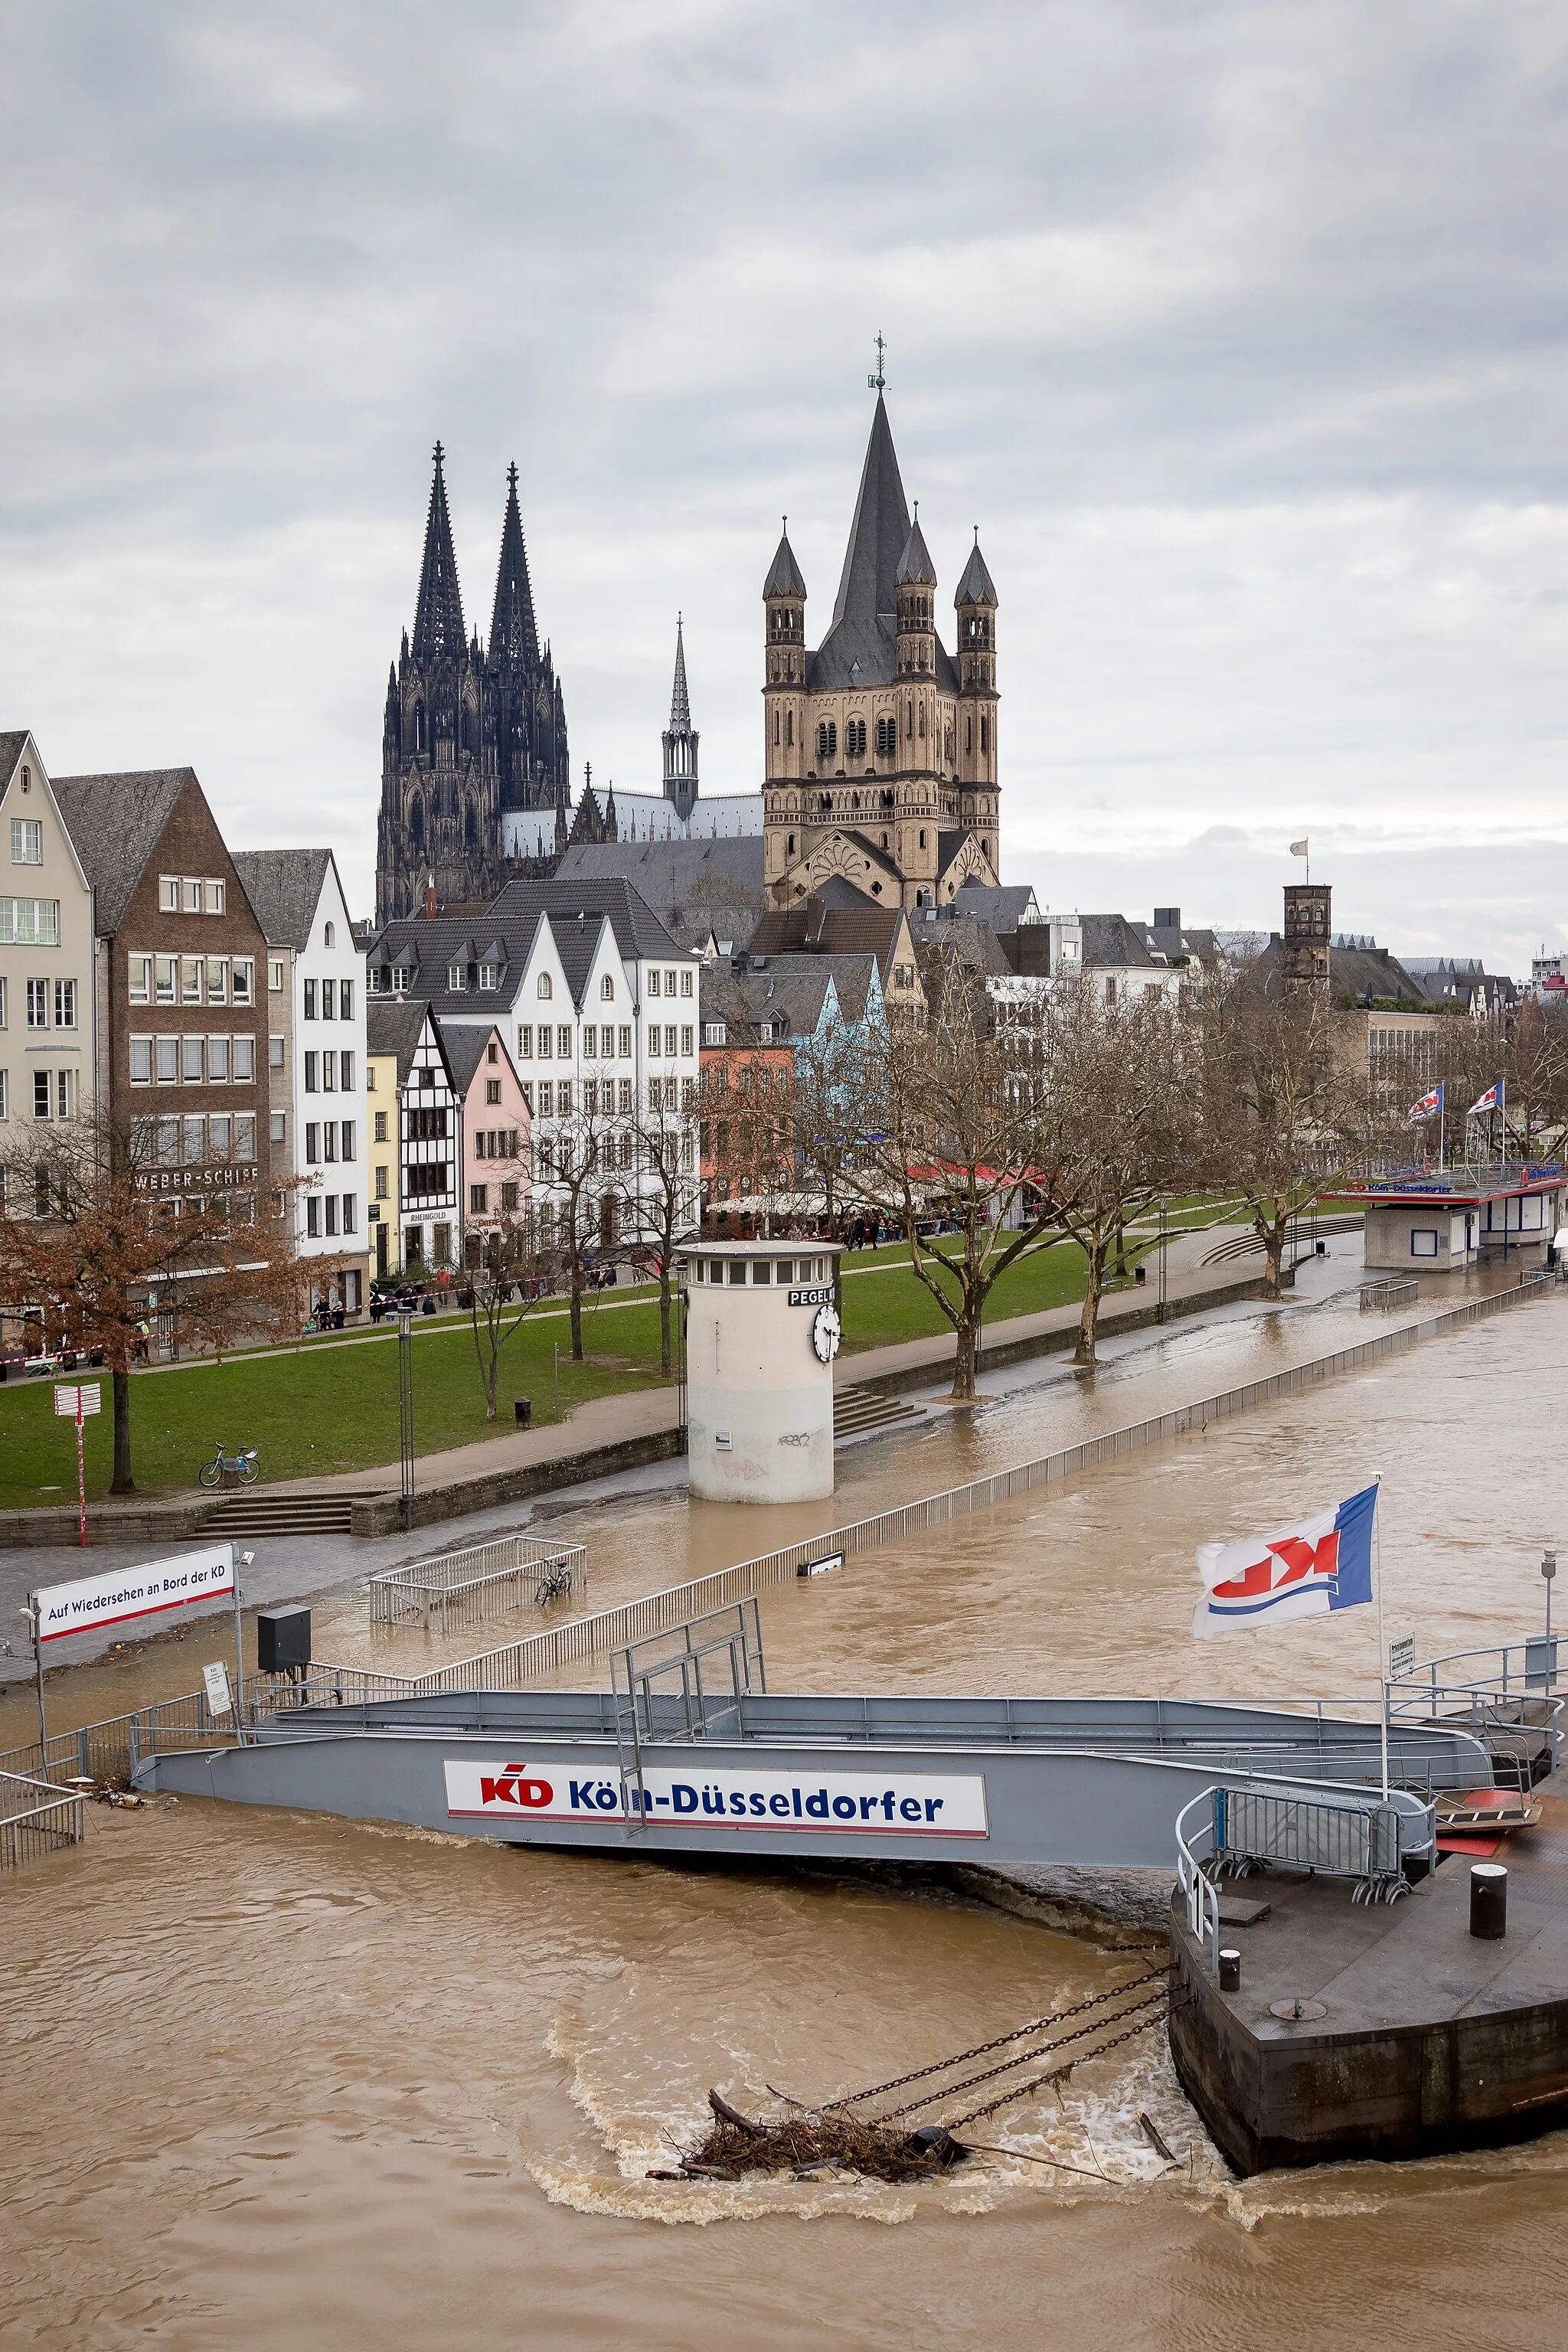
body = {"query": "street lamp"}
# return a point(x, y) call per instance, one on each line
point(1549, 1570)
point(405, 1411)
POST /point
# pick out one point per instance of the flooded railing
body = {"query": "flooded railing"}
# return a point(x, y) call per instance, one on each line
point(515, 1664)
point(35, 1818)
point(112, 1748)
point(458, 1588)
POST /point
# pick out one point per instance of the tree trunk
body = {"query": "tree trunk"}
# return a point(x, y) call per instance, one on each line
point(576, 1308)
point(1273, 1251)
point(122, 1482)
point(963, 1356)
point(1088, 1318)
point(665, 1357)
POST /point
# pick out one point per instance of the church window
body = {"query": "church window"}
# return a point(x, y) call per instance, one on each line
point(543, 990)
point(789, 851)
point(854, 738)
point(923, 721)
point(922, 841)
point(776, 724)
point(909, 720)
point(789, 727)
point(827, 740)
point(969, 734)
point(985, 735)
point(419, 744)
point(416, 821)
point(887, 738)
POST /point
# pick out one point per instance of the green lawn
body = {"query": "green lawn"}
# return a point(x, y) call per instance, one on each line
point(331, 1405)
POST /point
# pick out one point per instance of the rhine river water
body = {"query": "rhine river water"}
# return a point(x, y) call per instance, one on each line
point(279, 2080)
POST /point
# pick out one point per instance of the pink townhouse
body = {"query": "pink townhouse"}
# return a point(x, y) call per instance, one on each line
point(496, 1152)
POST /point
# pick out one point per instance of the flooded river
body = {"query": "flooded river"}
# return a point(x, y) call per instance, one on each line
point(272, 2080)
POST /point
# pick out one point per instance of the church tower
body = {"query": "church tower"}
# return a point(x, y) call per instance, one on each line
point(880, 749)
point(466, 736)
point(680, 740)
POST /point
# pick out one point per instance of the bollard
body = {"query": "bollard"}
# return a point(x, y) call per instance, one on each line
point(1230, 1969)
point(1488, 1901)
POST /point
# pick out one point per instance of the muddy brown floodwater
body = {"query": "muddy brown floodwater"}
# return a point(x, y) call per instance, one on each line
point(277, 2080)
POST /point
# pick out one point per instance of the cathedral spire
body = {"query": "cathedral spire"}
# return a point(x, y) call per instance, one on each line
point(680, 706)
point(438, 616)
point(514, 637)
point(878, 534)
point(680, 740)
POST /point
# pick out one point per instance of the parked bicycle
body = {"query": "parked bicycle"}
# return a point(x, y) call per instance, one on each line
point(243, 1466)
point(553, 1584)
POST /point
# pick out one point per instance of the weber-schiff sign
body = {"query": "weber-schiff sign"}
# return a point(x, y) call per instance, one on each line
point(96, 1600)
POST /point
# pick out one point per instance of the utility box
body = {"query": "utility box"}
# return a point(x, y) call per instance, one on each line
point(761, 1332)
point(282, 1639)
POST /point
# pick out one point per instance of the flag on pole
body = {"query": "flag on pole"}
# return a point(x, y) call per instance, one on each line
point(1298, 849)
point(1491, 1100)
point(1426, 1106)
point(1319, 1565)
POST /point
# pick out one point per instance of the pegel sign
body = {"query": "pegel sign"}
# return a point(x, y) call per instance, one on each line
point(96, 1600)
point(868, 1804)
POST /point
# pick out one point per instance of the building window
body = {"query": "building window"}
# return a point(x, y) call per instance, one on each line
point(141, 1061)
point(329, 935)
point(1424, 1243)
point(313, 1144)
point(346, 1138)
point(191, 1064)
point(351, 1213)
point(626, 1044)
point(543, 990)
point(27, 841)
point(607, 988)
point(345, 1000)
point(5, 1113)
point(275, 974)
point(563, 1098)
point(168, 894)
point(243, 975)
point(478, 1198)
point(217, 980)
point(311, 1062)
point(381, 1178)
point(312, 1218)
point(381, 1127)
point(346, 1070)
point(275, 1052)
point(40, 1094)
point(218, 1060)
point(38, 1005)
point(213, 896)
point(309, 999)
point(329, 1000)
point(190, 980)
point(985, 735)
point(278, 1126)
point(714, 1033)
point(167, 969)
point(487, 975)
point(328, 1073)
point(685, 1041)
point(827, 740)
point(525, 1041)
point(140, 969)
point(653, 983)
point(492, 1055)
point(244, 1061)
point(854, 738)
point(493, 1090)
point(790, 849)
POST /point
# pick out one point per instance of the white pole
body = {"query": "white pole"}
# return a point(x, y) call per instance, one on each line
point(1382, 1646)
point(238, 1652)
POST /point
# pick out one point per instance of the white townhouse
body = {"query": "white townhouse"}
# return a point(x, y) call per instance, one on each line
point(600, 1008)
point(315, 1003)
point(48, 1000)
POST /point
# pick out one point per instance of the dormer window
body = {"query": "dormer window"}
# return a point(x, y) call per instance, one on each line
point(487, 975)
point(457, 978)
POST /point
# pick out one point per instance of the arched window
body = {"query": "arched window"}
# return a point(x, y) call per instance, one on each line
point(789, 727)
point(775, 726)
point(329, 934)
point(922, 841)
point(419, 744)
point(543, 990)
point(922, 721)
point(789, 849)
point(416, 821)
point(854, 738)
point(608, 989)
point(909, 720)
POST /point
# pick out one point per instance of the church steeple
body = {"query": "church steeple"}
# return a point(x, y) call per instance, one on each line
point(438, 631)
point(514, 636)
point(680, 738)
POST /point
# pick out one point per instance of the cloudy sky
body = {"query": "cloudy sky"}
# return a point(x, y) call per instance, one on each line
point(1238, 329)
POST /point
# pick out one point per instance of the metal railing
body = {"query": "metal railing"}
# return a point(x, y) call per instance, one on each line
point(1195, 1849)
point(705, 1675)
point(1390, 1290)
point(1507, 1696)
point(458, 1588)
point(1327, 1831)
point(112, 1748)
point(35, 1818)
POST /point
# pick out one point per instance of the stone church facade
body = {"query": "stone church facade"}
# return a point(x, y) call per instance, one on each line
point(881, 756)
point(471, 735)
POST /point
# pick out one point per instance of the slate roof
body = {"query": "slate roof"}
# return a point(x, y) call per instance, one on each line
point(465, 1050)
point(11, 745)
point(284, 887)
point(690, 886)
point(795, 990)
point(596, 890)
point(1004, 906)
point(860, 648)
point(974, 943)
point(976, 586)
point(916, 569)
point(116, 823)
point(1110, 941)
point(1356, 974)
point(783, 573)
point(393, 1027)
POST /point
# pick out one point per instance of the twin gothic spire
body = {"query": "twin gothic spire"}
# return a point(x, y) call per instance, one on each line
point(438, 630)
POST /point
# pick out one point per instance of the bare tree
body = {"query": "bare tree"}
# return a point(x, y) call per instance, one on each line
point(580, 1159)
point(935, 1118)
point(659, 1187)
point(505, 1279)
point(103, 1230)
point(1283, 1111)
point(1110, 1136)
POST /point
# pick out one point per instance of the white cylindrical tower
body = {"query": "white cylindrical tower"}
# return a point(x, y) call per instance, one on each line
point(762, 1333)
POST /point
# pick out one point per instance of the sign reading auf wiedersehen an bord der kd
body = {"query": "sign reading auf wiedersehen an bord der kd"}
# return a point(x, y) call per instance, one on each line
point(868, 1804)
point(92, 1601)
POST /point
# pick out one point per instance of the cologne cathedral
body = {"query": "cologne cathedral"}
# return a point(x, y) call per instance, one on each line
point(474, 739)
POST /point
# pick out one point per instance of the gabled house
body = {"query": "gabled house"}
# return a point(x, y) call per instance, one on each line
point(496, 1151)
point(181, 958)
point(48, 1064)
point(429, 1135)
point(316, 1062)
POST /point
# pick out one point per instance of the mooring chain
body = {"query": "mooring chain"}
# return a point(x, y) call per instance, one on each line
point(1025, 2058)
point(1056, 2075)
point(981, 2049)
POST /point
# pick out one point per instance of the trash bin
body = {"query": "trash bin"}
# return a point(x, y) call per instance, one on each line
point(523, 1408)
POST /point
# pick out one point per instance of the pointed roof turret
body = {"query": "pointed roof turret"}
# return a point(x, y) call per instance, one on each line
point(514, 636)
point(680, 703)
point(916, 569)
point(438, 616)
point(975, 587)
point(783, 576)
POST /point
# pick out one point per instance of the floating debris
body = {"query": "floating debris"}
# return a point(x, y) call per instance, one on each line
point(806, 2144)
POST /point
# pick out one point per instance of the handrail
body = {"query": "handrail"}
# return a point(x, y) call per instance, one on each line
point(1202, 1895)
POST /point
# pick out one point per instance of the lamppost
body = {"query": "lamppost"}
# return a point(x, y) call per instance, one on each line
point(405, 1411)
point(1549, 1570)
point(1165, 1204)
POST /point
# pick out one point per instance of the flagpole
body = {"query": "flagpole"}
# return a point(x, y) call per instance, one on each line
point(1381, 1649)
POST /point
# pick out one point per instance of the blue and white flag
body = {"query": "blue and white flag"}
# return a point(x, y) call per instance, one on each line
point(1318, 1566)
point(1426, 1106)
point(1491, 1100)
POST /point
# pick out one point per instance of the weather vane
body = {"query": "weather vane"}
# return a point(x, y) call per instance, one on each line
point(877, 383)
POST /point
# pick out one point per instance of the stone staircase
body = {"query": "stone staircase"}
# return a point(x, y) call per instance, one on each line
point(856, 1411)
point(254, 1513)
